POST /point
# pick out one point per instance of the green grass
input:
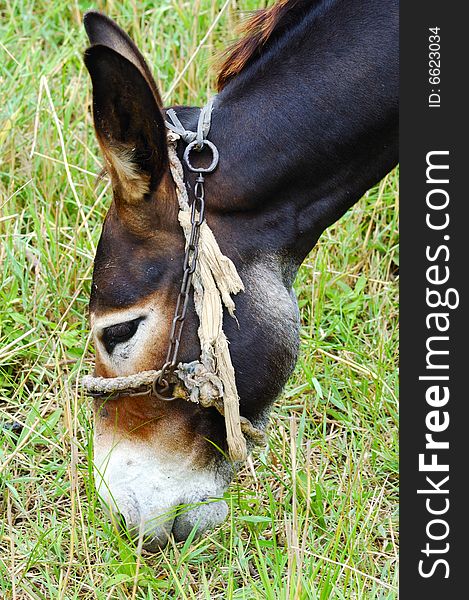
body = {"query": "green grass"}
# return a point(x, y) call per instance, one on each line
point(315, 516)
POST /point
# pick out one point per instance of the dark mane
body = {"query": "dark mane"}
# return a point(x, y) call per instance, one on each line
point(261, 27)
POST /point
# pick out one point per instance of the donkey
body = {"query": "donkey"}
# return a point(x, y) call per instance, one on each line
point(305, 120)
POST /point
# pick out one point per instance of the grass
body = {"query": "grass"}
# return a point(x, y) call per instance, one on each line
point(314, 516)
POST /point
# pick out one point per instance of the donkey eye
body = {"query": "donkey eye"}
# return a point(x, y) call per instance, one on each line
point(119, 333)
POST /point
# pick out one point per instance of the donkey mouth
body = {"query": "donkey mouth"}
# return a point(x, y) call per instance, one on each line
point(194, 519)
point(152, 497)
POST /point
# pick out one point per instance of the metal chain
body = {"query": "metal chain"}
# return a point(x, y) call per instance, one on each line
point(161, 385)
point(162, 382)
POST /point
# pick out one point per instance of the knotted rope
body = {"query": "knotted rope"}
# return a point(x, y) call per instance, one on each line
point(210, 382)
point(192, 383)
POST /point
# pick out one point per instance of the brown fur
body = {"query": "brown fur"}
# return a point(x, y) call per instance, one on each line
point(257, 32)
point(125, 172)
point(145, 419)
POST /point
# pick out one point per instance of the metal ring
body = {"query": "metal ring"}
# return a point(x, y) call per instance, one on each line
point(159, 388)
point(195, 146)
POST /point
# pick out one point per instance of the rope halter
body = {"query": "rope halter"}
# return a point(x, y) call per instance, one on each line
point(210, 381)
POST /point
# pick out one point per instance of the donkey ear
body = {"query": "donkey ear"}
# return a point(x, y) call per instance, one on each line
point(102, 30)
point(128, 122)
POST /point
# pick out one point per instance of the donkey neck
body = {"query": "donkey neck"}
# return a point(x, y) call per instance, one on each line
point(309, 125)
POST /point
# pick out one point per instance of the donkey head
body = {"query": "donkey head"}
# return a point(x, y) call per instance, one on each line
point(302, 134)
point(160, 466)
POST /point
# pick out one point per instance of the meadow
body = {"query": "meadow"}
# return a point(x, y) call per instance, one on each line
point(315, 514)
